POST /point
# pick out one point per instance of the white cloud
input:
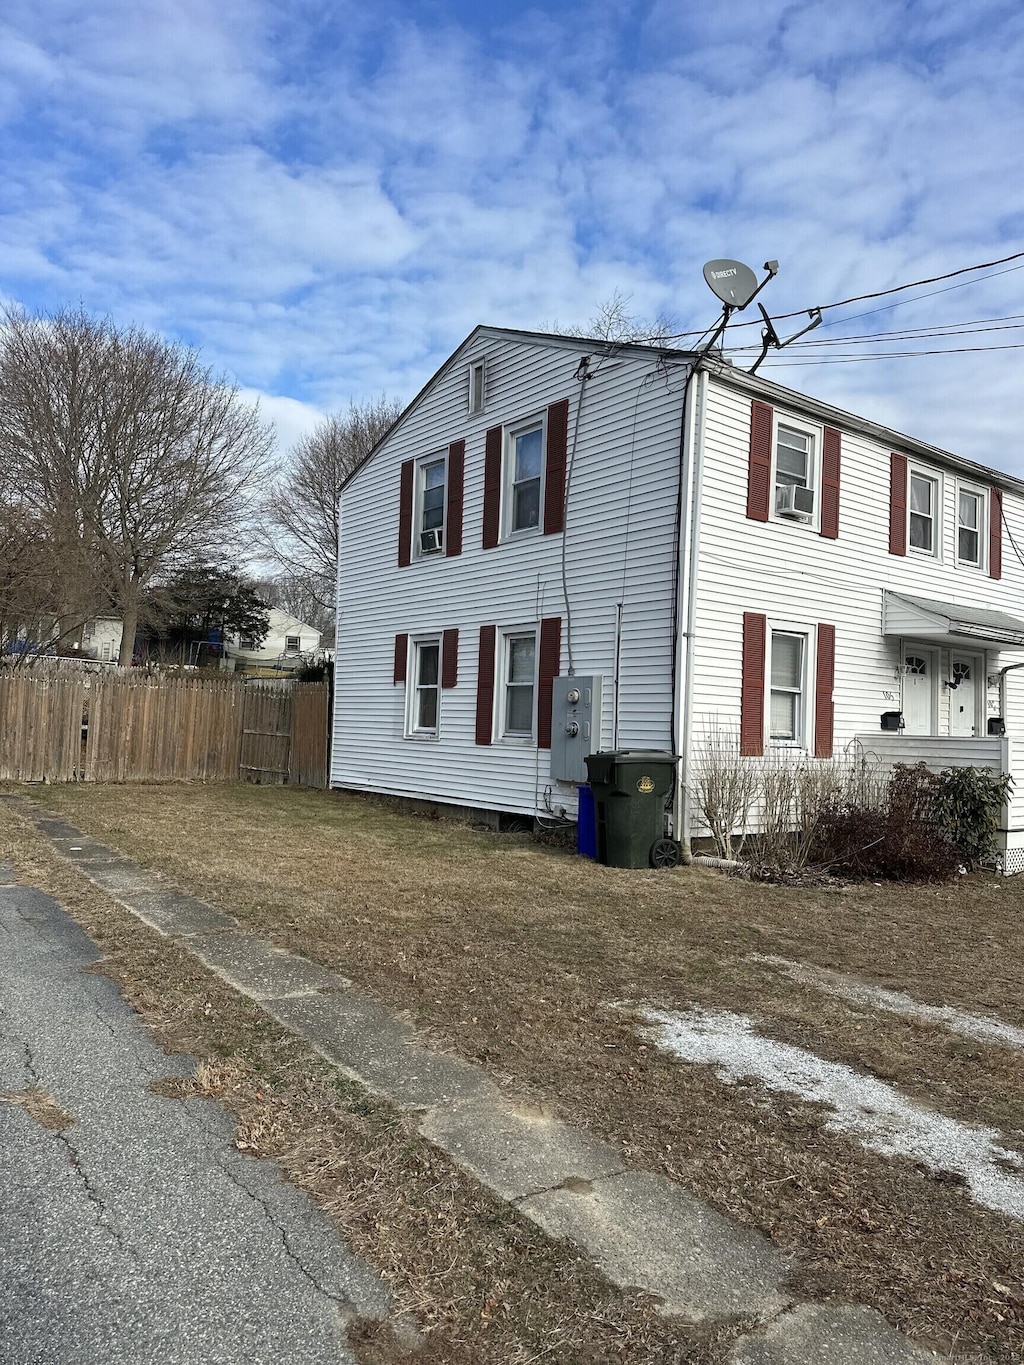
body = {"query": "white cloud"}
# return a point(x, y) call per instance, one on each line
point(328, 201)
point(291, 419)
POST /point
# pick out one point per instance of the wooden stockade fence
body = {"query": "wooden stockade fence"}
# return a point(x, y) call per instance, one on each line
point(129, 727)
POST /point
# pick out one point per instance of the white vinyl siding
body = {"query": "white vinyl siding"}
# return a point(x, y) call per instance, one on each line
point(619, 570)
point(749, 566)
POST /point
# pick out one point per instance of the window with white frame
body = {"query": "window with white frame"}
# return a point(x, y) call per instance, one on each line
point(923, 503)
point(518, 685)
point(797, 449)
point(423, 693)
point(523, 477)
point(477, 385)
point(431, 479)
point(292, 644)
point(787, 687)
point(971, 506)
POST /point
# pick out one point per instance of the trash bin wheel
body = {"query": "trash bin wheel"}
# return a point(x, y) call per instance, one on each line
point(666, 853)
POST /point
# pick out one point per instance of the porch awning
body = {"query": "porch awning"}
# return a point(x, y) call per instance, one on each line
point(948, 622)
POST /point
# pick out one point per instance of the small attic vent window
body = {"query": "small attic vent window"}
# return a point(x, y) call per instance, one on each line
point(477, 377)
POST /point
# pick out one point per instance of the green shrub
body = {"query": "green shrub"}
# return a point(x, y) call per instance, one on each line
point(966, 806)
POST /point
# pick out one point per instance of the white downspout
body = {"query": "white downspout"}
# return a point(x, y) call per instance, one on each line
point(693, 478)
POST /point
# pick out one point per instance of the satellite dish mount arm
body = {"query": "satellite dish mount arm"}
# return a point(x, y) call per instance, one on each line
point(770, 337)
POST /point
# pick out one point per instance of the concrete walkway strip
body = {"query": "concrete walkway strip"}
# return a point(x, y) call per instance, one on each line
point(517, 1154)
point(642, 1230)
point(828, 1336)
point(261, 971)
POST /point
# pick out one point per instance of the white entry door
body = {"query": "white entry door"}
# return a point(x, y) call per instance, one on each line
point(964, 693)
point(920, 676)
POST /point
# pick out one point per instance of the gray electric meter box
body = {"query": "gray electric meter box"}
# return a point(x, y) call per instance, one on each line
point(575, 725)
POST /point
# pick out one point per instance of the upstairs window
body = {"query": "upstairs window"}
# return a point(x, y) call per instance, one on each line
point(923, 504)
point(526, 468)
point(786, 702)
point(431, 502)
point(292, 644)
point(794, 473)
point(970, 518)
point(477, 382)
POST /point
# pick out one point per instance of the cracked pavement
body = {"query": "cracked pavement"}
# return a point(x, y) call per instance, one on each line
point(139, 1233)
point(640, 1230)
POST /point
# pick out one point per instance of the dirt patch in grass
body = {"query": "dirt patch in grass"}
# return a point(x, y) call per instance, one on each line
point(521, 958)
point(473, 1282)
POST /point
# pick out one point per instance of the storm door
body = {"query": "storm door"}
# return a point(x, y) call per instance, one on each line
point(920, 678)
point(966, 673)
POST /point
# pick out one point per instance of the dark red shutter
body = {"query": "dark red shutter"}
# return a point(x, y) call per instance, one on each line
point(492, 487)
point(401, 657)
point(755, 643)
point(831, 458)
point(824, 682)
point(897, 504)
point(554, 466)
point(547, 670)
point(759, 465)
point(485, 686)
point(453, 511)
point(450, 658)
point(995, 533)
point(405, 516)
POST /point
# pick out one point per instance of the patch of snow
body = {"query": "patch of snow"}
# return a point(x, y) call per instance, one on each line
point(895, 1002)
point(877, 1114)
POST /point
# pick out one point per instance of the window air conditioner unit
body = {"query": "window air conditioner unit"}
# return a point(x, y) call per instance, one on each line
point(793, 501)
point(431, 541)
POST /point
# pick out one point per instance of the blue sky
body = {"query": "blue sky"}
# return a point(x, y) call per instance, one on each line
point(326, 197)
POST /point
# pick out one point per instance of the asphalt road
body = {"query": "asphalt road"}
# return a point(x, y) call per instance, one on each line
point(139, 1233)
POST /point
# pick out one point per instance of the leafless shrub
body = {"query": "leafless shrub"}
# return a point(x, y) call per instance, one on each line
point(724, 786)
point(796, 798)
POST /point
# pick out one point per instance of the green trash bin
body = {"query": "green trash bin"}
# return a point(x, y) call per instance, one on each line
point(630, 787)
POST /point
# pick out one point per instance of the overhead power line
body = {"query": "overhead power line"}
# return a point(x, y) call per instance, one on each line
point(876, 294)
point(893, 355)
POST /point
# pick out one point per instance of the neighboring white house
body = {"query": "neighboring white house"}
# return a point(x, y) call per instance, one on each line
point(289, 643)
point(697, 546)
point(101, 638)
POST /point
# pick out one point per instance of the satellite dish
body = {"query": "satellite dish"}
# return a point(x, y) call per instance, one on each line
point(732, 281)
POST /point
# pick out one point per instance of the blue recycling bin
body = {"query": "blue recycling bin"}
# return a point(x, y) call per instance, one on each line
point(586, 824)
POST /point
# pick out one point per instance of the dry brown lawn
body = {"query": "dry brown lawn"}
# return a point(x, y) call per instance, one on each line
point(519, 957)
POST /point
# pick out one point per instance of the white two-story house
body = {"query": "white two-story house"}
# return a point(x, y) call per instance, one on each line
point(699, 546)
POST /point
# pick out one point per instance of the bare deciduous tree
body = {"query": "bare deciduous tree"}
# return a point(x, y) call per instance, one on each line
point(123, 444)
point(301, 531)
point(613, 321)
point(47, 590)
